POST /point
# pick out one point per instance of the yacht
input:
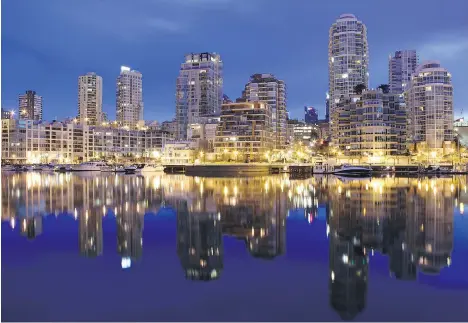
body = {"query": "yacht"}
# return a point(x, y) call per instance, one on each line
point(89, 166)
point(152, 169)
point(8, 168)
point(36, 167)
point(63, 168)
point(113, 168)
point(350, 170)
point(437, 170)
point(131, 169)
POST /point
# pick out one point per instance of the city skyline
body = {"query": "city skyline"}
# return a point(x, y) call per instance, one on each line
point(303, 63)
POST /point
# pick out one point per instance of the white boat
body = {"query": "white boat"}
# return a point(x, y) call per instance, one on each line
point(113, 168)
point(89, 167)
point(152, 169)
point(9, 168)
point(350, 170)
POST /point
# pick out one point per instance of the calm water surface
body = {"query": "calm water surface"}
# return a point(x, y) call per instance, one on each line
point(105, 247)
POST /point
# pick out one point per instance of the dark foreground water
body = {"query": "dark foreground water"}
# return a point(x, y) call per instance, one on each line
point(105, 247)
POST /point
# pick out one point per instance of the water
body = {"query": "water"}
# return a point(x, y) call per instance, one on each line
point(105, 247)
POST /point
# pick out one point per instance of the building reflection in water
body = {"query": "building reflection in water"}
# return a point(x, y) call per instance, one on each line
point(31, 226)
point(199, 243)
point(408, 219)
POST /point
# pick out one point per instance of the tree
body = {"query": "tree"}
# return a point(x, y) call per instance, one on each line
point(359, 88)
point(384, 87)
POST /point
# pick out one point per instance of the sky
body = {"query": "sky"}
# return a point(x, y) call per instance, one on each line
point(47, 44)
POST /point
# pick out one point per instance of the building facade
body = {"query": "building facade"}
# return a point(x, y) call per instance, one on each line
point(204, 133)
point(348, 58)
point(267, 88)
point(310, 115)
point(401, 67)
point(129, 98)
point(244, 132)
point(70, 142)
point(430, 106)
point(7, 114)
point(199, 90)
point(299, 131)
point(370, 124)
point(30, 106)
point(90, 99)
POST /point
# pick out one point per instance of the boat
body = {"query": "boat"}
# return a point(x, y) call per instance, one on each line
point(113, 168)
point(152, 169)
point(20, 168)
point(131, 169)
point(350, 170)
point(91, 166)
point(36, 167)
point(435, 169)
point(8, 168)
point(63, 168)
point(47, 167)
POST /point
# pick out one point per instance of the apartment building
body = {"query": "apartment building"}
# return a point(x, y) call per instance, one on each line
point(244, 132)
point(267, 88)
point(30, 106)
point(370, 124)
point(90, 99)
point(70, 142)
point(429, 100)
point(199, 90)
point(129, 98)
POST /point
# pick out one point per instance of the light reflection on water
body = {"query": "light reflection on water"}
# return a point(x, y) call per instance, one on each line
point(410, 220)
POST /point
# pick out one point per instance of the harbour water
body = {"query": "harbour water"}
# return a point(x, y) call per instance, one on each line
point(114, 247)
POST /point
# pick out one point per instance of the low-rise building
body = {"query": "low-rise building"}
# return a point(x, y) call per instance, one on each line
point(69, 142)
point(179, 152)
point(244, 132)
point(203, 133)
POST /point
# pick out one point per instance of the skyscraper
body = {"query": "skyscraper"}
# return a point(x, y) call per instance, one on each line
point(90, 99)
point(199, 90)
point(310, 115)
point(430, 105)
point(348, 57)
point(30, 106)
point(129, 98)
point(267, 88)
point(400, 68)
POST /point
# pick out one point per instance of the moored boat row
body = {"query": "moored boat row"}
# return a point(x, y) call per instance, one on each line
point(86, 167)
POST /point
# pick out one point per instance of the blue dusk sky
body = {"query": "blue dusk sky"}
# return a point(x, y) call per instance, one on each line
point(47, 44)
